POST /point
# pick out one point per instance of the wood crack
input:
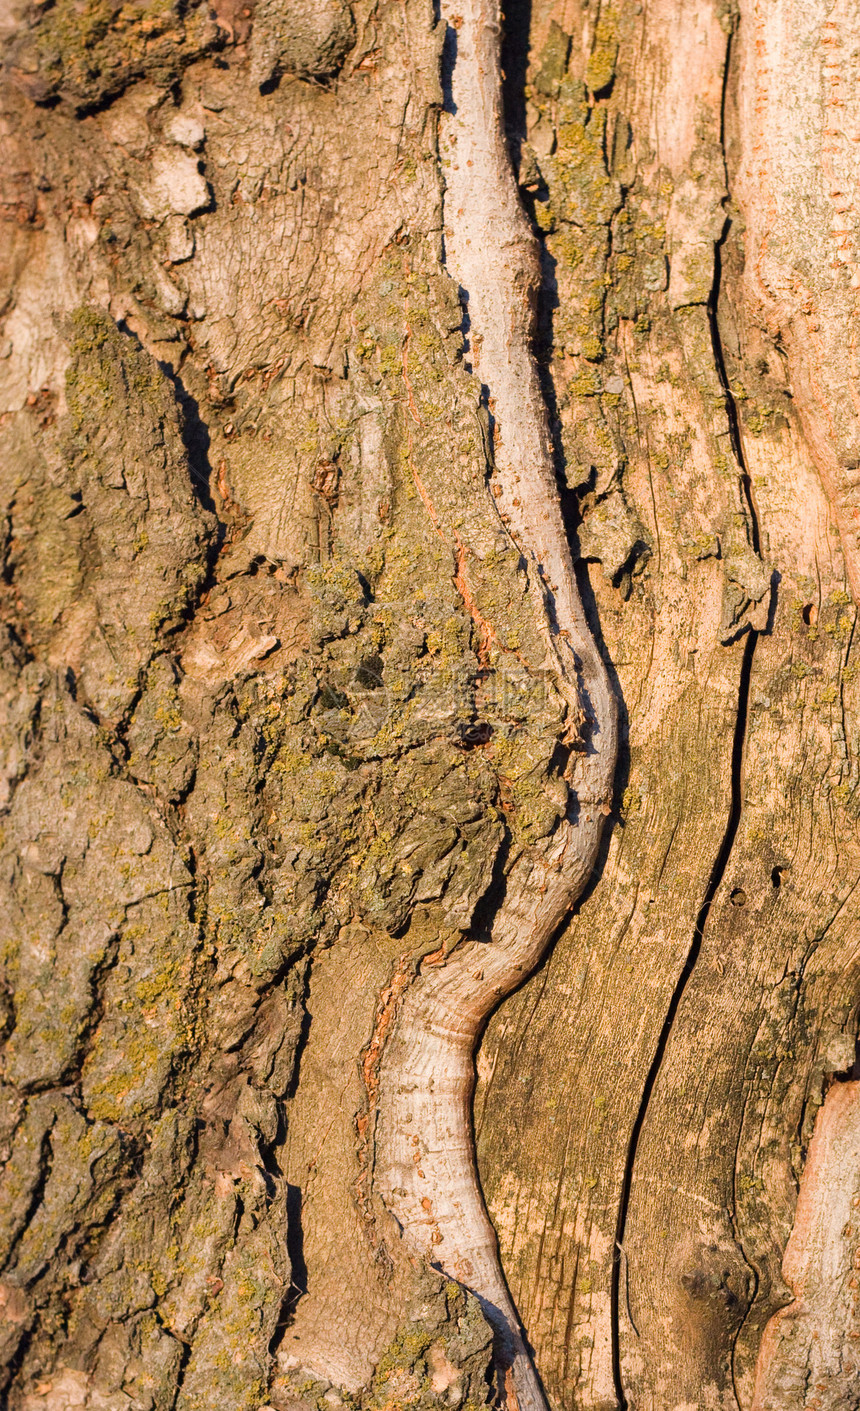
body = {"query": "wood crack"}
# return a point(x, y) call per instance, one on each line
point(717, 874)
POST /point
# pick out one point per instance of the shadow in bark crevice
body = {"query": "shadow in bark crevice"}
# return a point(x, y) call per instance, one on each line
point(298, 1285)
point(294, 1236)
point(622, 763)
point(305, 1026)
point(446, 69)
point(197, 440)
point(516, 31)
point(296, 1252)
point(9, 1373)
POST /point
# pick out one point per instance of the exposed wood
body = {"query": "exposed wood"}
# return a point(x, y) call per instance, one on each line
point(648, 1087)
point(808, 1353)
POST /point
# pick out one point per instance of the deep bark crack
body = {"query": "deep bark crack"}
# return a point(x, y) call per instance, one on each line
point(717, 874)
point(718, 871)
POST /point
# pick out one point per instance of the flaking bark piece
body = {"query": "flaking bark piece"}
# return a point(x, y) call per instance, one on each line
point(810, 1352)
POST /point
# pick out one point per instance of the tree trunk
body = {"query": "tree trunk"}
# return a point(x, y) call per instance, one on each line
point(430, 552)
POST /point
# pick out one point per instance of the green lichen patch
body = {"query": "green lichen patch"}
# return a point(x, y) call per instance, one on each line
point(440, 1356)
point(147, 1024)
point(552, 62)
point(310, 38)
point(78, 1162)
point(129, 465)
point(87, 53)
point(229, 1362)
point(162, 745)
point(600, 69)
point(98, 851)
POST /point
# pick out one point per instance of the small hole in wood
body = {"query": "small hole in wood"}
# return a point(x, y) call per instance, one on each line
point(738, 897)
point(471, 736)
point(806, 614)
point(776, 876)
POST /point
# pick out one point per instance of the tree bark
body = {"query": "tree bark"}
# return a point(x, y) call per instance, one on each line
point(428, 508)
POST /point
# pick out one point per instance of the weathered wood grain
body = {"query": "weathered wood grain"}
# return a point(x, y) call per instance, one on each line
point(642, 1169)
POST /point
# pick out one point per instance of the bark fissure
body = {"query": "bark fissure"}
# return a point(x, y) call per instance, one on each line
point(721, 860)
point(718, 872)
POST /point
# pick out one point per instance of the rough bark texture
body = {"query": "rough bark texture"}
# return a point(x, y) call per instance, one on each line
point(346, 505)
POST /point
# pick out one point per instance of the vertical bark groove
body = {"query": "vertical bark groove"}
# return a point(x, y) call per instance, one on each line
point(718, 872)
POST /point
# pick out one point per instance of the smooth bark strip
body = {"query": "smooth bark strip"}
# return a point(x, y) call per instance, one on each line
point(425, 1166)
point(802, 271)
point(813, 1341)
